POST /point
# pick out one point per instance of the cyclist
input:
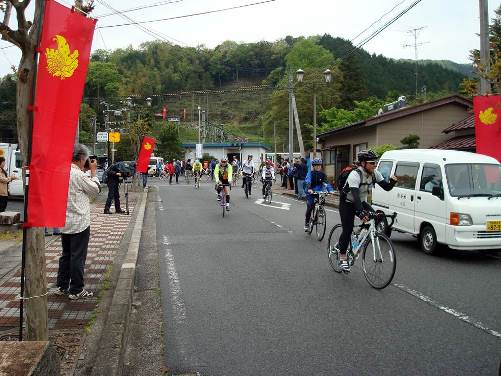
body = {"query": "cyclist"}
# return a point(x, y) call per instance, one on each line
point(197, 170)
point(315, 181)
point(267, 175)
point(223, 173)
point(353, 199)
point(248, 170)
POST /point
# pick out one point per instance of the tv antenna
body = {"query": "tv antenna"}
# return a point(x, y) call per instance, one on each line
point(415, 34)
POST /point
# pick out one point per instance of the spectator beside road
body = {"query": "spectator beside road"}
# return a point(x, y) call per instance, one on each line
point(285, 169)
point(178, 170)
point(4, 185)
point(144, 177)
point(113, 183)
point(290, 175)
point(76, 232)
point(213, 164)
point(169, 169)
point(301, 172)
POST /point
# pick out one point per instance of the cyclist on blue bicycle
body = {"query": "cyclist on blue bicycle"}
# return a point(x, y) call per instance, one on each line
point(315, 181)
point(353, 199)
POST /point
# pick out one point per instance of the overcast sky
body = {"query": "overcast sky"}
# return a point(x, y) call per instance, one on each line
point(450, 26)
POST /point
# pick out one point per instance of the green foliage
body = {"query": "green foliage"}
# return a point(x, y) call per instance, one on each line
point(103, 79)
point(338, 117)
point(86, 123)
point(307, 54)
point(411, 141)
point(381, 149)
point(168, 145)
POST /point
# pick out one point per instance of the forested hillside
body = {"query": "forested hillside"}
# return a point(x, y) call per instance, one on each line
point(183, 78)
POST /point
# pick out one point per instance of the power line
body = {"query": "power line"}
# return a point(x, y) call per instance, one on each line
point(381, 29)
point(190, 15)
point(140, 8)
point(153, 33)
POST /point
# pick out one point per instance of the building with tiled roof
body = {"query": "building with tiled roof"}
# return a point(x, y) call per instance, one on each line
point(463, 136)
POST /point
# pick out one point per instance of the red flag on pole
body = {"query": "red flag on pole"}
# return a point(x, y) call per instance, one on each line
point(488, 125)
point(164, 113)
point(143, 159)
point(64, 52)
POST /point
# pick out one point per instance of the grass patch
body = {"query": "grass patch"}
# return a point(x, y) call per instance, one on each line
point(105, 286)
point(12, 235)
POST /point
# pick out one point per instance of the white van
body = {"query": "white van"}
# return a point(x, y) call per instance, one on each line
point(443, 196)
point(13, 166)
point(152, 165)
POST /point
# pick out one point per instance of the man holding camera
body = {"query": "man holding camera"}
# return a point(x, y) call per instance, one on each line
point(76, 233)
point(113, 183)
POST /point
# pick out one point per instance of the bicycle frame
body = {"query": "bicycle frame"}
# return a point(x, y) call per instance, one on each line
point(370, 234)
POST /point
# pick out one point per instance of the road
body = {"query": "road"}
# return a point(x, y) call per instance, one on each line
point(252, 294)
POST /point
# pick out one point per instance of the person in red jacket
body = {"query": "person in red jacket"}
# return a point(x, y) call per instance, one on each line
point(169, 169)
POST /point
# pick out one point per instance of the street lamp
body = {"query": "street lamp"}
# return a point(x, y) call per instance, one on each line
point(328, 79)
point(148, 101)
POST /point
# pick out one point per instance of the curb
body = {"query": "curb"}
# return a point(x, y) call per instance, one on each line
point(111, 349)
point(336, 206)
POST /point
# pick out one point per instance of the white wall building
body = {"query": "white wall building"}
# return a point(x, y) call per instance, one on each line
point(228, 150)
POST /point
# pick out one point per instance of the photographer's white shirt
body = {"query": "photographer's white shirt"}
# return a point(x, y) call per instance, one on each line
point(82, 188)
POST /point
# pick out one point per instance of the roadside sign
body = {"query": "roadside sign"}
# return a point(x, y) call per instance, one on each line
point(199, 151)
point(114, 137)
point(174, 119)
point(102, 137)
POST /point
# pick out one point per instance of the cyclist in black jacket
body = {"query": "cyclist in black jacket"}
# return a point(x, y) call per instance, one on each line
point(353, 199)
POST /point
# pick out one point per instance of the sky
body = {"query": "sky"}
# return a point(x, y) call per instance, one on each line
point(450, 27)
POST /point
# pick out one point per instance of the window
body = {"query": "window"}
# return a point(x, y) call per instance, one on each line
point(407, 174)
point(358, 148)
point(330, 157)
point(385, 169)
point(473, 179)
point(19, 161)
point(430, 178)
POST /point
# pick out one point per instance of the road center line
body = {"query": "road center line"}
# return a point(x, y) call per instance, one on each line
point(458, 315)
point(175, 288)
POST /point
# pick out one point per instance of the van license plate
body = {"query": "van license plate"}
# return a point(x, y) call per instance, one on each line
point(494, 226)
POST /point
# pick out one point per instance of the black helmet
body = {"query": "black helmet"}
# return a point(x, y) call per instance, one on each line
point(367, 155)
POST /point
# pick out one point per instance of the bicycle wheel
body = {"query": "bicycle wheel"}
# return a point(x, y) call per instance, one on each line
point(332, 254)
point(269, 196)
point(312, 221)
point(321, 223)
point(378, 261)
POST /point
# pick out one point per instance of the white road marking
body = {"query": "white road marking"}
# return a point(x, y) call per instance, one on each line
point(459, 315)
point(300, 201)
point(175, 289)
point(282, 205)
point(165, 240)
point(276, 224)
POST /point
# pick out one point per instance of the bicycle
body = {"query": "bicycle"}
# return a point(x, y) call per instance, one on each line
point(187, 174)
point(236, 176)
point(222, 195)
point(247, 184)
point(196, 176)
point(268, 193)
point(380, 256)
point(319, 216)
point(205, 176)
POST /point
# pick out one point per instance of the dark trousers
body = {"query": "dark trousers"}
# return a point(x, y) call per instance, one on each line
point(145, 180)
point(291, 182)
point(113, 195)
point(170, 179)
point(3, 203)
point(266, 183)
point(70, 275)
point(177, 177)
point(295, 186)
point(347, 214)
point(284, 180)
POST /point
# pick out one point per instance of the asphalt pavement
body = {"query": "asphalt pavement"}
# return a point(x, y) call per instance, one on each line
point(252, 294)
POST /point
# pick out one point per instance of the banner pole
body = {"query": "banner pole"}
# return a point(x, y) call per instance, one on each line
point(27, 172)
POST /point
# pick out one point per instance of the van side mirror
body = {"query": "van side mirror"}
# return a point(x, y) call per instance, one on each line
point(439, 192)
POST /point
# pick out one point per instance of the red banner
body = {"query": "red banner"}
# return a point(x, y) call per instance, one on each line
point(488, 125)
point(64, 52)
point(143, 160)
point(164, 113)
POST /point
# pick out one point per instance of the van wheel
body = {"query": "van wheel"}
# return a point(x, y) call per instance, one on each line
point(428, 240)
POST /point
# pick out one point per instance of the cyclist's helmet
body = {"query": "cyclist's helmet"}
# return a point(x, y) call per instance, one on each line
point(197, 161)
point(367, 155)
point(224, 159)
point(316, 162)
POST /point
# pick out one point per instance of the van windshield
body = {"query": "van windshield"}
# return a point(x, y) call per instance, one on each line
point(473, 179)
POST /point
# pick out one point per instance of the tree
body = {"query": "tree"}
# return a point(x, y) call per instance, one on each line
point(169, 146)
point(381, 149)
point(411, 141)
point(26, 38)
point(338, 117)
point(307, 54)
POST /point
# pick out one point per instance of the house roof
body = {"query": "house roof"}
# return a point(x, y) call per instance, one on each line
point(467, 123)
point(402, 112)
point(458, 143)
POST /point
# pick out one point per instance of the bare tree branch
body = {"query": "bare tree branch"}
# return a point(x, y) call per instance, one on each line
point(10, 35)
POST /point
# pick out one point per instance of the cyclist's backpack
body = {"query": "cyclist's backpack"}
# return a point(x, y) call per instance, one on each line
point(104, 178)
point(343, 177)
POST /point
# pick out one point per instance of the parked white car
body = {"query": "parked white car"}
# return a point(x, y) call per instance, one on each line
point(13, 165)
point(443, 196)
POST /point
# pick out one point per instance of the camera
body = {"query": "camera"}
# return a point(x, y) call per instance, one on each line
point(92, 158)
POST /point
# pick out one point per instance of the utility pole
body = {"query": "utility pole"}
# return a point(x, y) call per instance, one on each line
point(95, 134)
point(291, 121)
point(199, 125)
point(275, 138)
point(314, 123)
point(414, 32)
point(484, 47)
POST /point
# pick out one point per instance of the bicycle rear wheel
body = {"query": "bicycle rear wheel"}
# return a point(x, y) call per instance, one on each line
point(269, 196)
point(378, 261)
point(321, 224)
point(332, 253)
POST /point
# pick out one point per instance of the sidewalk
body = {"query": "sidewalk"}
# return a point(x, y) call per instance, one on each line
point(107, 232)
point(330, 200)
